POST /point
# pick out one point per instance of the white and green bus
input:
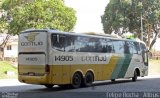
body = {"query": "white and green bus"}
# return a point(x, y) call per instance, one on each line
point(50, 57)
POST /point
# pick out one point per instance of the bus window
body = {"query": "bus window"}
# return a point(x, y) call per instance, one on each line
point(129, 47)
point(136, 48)
point(118, 46)
point(99, 45)
point(107, 46)
point(81, 44)
point(58, 42)
point(91, 44)
point(69, 43)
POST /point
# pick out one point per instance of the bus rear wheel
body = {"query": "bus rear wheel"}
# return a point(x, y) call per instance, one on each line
point(88, 80)
point(76, 80)
point(48, 85)
point(134, 78)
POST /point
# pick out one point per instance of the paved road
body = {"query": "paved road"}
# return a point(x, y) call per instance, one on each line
point(98, 90)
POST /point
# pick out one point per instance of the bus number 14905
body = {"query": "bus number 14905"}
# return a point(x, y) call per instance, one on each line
point(63, 58)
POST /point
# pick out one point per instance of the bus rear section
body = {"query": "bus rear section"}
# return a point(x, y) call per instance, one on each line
point(32, 58)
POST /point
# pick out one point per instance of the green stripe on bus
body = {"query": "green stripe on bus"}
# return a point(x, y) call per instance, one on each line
point(117, 68)
point(125, 65)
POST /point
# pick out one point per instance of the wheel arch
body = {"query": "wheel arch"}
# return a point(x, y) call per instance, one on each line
point(138, 71)
point(79, 72)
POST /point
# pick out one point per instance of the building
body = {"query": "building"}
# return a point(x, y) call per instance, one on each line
point(10, 51)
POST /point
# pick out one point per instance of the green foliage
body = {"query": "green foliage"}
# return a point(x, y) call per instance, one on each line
point(126, 14)
point(9, 4)
point(39, 14)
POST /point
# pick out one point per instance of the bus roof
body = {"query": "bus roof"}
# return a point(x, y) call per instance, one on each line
point(91, 34)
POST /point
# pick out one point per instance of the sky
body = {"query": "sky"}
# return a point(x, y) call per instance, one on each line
point(88, 14)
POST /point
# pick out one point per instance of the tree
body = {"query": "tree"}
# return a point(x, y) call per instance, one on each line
point(127, 15)
point(18, 15)
point(25, 14)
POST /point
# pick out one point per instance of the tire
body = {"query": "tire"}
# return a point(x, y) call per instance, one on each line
point(76, 80)
point(88, 80)
point(113, 80)
point(134, 78)
point(48, 85)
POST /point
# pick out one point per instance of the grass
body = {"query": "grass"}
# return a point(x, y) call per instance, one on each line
point(6, 66)
point(154, 67)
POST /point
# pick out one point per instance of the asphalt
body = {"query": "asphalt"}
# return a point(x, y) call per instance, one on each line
point(10, 82)
point(15, 82)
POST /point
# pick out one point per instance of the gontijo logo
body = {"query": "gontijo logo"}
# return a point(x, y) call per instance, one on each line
point(31, 38)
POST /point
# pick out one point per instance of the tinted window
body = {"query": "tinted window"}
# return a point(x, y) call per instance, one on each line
point(136, 48)
point(81, 44)
point(118, 46)
point(88, 44)
point(107, 46)
point(126, 48)
point(70, 43)
point(58, 42)
point(130, 47)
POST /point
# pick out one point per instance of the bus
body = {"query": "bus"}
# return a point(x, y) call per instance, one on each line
point(51, 57)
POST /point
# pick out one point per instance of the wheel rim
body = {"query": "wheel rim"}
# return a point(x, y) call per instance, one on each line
point(76, 80)
point(88, 79)
point(135, 76)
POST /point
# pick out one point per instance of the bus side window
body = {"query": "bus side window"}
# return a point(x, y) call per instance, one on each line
point(129, 47)
point(136, 48)
point(109, 46)
point(133, 47)
point(58, 42)
point(77, 44)
point(80, 44)
point(70, 43)
point(118, 46)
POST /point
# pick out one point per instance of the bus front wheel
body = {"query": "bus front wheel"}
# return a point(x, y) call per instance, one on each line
point(48, 85)
point(113, 80)
point(76, 80)
point(134, 78)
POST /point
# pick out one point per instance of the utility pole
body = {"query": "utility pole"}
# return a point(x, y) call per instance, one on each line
point(149, 33)
point(141, 21)
point(141, 27)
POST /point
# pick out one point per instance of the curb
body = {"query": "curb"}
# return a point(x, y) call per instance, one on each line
point(10, 82)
